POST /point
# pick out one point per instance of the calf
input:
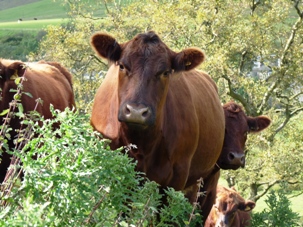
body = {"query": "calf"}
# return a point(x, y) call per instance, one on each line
point(230, 209)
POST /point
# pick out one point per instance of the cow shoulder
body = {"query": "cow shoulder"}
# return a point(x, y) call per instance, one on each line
point(105, 107)
point(61, 69)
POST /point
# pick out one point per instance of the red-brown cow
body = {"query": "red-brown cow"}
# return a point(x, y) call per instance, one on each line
point(237, 126)
point(153, 97)
point(46, 80)
point(230, 209)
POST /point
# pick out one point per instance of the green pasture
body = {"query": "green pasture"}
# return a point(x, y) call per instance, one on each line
point(30, 24)
point(44, 9)
point(6, 4)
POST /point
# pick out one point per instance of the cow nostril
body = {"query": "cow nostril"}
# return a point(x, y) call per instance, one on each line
point(127, 110)
point(145, 113)
point(231, 156)
point(136, 114)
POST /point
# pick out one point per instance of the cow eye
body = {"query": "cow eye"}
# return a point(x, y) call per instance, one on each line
point(167, 73)
point(121, 67)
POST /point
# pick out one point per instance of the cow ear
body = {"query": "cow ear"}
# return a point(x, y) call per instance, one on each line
point(257, 124)
point(248, 206)
point(106, 46)
point(188, 59)
point(15, 70)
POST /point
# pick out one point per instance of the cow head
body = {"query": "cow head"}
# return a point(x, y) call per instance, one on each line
point(145, 65)
point(228, 203)
point(237, 126)
point(10, 70)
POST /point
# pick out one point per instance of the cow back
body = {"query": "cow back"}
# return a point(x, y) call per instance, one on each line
point(48, 81)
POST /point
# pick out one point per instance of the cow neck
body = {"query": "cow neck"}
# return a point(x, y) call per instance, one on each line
point(144, 140)
point(140, 145)
point(215, 170)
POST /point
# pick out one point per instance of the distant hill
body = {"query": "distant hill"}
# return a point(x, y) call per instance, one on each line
point(12, 10)
point(6, 4)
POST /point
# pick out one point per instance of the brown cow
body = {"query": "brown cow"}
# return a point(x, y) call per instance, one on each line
point(46, 80)
point(153, 97)
point(230, 209)
point(237, 126)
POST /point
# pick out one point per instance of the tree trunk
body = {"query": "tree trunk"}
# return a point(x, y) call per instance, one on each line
point(253, 191)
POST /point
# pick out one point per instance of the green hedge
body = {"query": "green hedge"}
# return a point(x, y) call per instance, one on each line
point(76, 180)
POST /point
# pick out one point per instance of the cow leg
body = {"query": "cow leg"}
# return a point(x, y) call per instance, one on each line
point(206, 202)
point(208, 194)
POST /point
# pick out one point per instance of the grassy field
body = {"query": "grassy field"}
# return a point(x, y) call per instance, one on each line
point(30, 25)
point(6, 4)
point(44, 9)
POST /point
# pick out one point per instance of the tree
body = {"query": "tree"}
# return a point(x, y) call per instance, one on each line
point(237, 37)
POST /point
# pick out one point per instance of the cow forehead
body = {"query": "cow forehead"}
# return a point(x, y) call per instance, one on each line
point(236, 121)
point(145, 48)
point(229, 196)
point(145, 43)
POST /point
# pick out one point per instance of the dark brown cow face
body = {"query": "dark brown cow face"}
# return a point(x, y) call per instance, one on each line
point(145, 67)
point(228, 202)
point(237, 126)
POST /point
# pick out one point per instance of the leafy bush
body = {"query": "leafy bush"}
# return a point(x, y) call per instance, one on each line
point(18, 45)
point(75, 179)
point(278, 213)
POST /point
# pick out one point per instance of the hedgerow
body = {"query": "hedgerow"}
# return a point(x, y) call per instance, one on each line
point(71, 177)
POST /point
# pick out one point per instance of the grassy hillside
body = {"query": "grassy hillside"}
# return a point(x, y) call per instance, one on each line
point(6, 4)
point(43, 9)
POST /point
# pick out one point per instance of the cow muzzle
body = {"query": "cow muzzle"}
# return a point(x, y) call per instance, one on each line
point(135, 114)
point(237, 160)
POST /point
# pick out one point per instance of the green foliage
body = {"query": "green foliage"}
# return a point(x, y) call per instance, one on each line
point(278, 213)
point(17, 45)
point(76, 180)
point(174, 212)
